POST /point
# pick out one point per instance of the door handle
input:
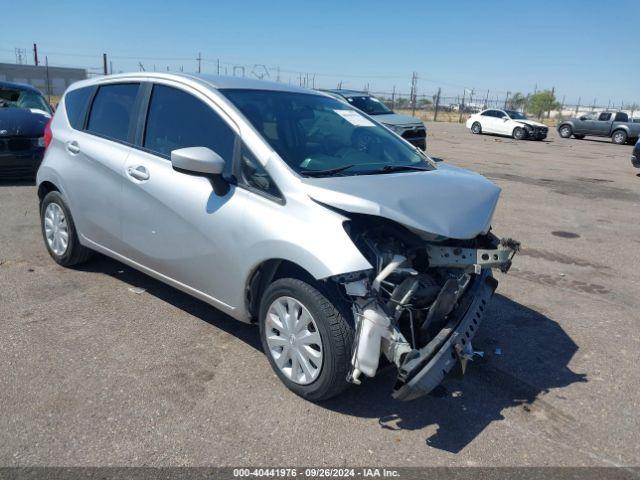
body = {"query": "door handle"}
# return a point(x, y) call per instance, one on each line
point(73, 147)
point(138, 172)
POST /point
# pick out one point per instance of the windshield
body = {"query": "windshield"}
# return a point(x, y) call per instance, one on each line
point(369, 105)
point(18, 98)
point(320, 136)
point(516, 115)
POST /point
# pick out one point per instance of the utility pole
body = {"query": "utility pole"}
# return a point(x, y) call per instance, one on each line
point(506, 100)
point(218, 66)
point(435, 112)
point(199, 62)
point(414, 84)
point(111, 67)
point(46, 72)
point(104, 63)
point(35, 54)
point(141, 67)
point(393, 98)
point(486, 99)
point(553, 95)
point(461, 106)
point(561, 107)
point(578, 105)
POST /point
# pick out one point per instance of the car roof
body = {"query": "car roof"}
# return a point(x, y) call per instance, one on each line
point(349, 93)
point(209, 81)
point(18, 86)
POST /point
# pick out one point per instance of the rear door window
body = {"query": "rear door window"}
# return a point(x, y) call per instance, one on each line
point(112, 109)
point(604, 117)
point(177, 119)
point(75, 103)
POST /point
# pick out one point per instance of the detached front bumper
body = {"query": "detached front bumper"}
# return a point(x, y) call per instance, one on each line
point(422, 374)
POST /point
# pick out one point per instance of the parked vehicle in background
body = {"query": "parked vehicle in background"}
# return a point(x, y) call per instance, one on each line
point(281, 206)
point(615, 125)
point(635, 156)
point(412, 129)
point(24, 114)
point(507, 122)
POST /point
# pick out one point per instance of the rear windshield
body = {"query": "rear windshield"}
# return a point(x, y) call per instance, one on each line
point(369, 105)
point(22, 98)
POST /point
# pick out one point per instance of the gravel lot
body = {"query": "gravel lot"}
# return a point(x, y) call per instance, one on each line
point(93, 372)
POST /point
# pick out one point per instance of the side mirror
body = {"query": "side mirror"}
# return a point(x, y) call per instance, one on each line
point(197, 160)
point(202, 161)
point(504, 119)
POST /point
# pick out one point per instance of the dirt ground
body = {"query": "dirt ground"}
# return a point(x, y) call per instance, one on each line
point(96, 371)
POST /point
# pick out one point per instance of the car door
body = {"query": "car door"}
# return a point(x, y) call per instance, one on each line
point(97, 149)
point(503, 125)
point(173, 223)
point(602, 126)
point(488, 121)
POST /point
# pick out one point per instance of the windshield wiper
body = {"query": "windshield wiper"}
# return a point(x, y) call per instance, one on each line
point(399, 168)
point(329, 171)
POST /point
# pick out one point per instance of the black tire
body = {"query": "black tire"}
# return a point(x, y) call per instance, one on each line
point(565, 131)
point(579, 137)
point(619, 137)
point(335, 332)
point(519, 133)
point(476, 128)
point(75, 253)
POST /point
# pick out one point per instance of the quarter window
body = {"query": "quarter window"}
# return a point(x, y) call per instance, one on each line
point(75, 103)
point(255, 176)
point(177, 119)
point(112, 110)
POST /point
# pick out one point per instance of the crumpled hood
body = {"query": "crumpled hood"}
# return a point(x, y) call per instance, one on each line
point(22, 122)
point(397, 119)
point(531, 122)
point(448, 201)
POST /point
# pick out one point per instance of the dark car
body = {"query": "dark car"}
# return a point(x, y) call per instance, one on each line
point(412, 129)
point(635, 156)
point(24, 114)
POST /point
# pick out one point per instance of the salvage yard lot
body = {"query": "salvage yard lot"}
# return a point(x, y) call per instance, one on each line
point(102, 365)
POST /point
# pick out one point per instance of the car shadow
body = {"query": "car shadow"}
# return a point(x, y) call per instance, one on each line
point(526, 356)
point(4, 182)
point(243, 331)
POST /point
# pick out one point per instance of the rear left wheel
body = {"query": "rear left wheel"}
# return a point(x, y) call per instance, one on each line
point(59, 231)
point(619, 137)
point(306, 338)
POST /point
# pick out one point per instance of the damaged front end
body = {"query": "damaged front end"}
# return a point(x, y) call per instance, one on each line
point(423, 301)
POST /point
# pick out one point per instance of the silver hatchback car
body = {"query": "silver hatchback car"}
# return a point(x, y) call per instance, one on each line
point(281, 206)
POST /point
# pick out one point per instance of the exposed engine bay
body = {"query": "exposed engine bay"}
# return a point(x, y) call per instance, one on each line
point(423, 301)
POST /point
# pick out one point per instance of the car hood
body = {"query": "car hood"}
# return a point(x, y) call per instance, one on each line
point(397, 119)
point(530, 122)
point(448, 201)
point(22, 122)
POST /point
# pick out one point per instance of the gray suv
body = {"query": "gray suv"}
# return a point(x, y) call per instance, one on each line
point(279, 206)
point(412, 129)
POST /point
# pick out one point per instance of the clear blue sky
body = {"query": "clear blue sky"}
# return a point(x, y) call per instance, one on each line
point(587, 49)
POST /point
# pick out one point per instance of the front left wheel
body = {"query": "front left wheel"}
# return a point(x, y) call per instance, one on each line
point(476, 128)
point(306, 338)
point(59, 231)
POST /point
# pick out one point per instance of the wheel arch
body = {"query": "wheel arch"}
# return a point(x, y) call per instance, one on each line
point(266, 273)
point(45, 187)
